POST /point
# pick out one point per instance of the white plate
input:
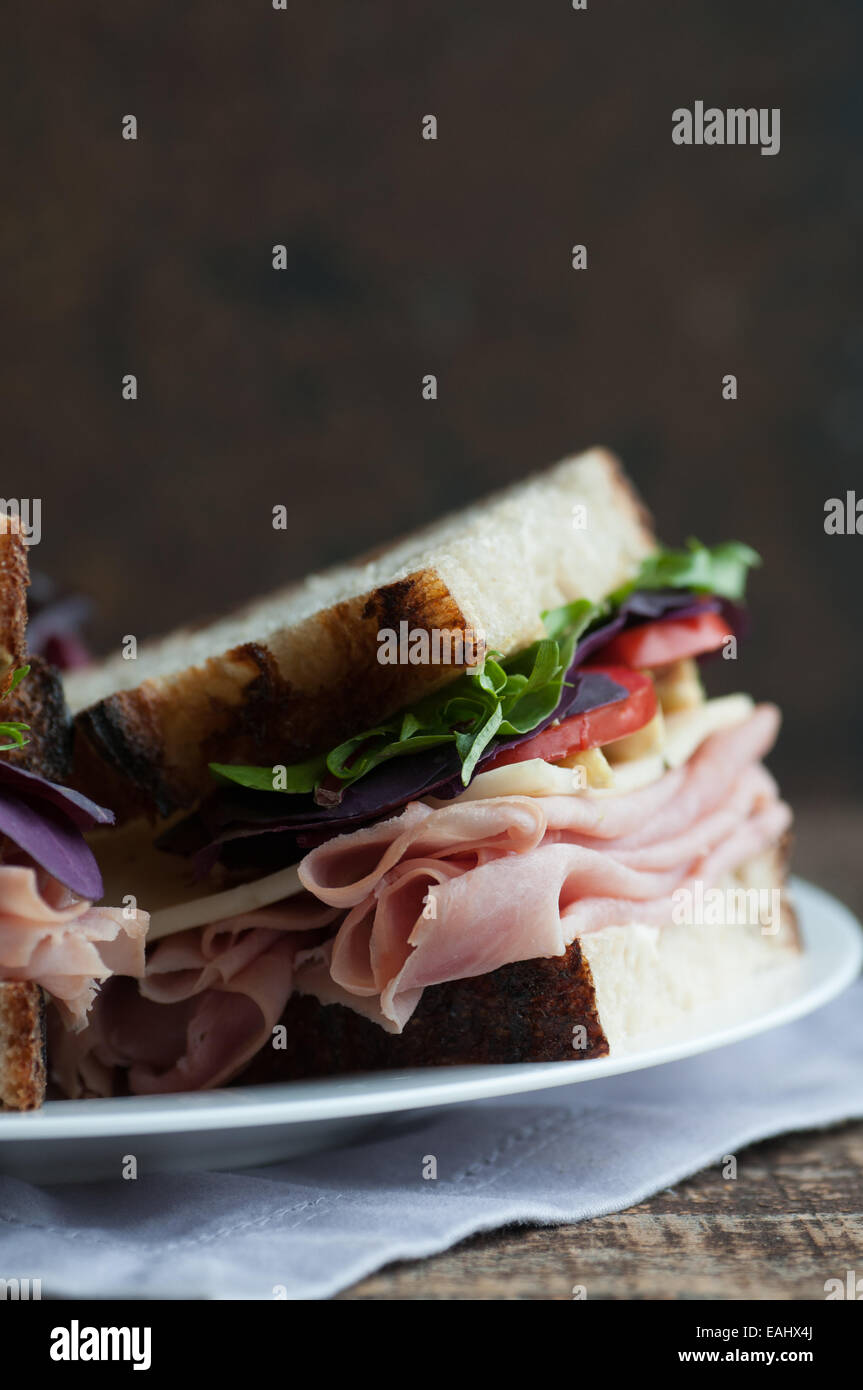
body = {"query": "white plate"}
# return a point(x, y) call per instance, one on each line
point(246, 1125)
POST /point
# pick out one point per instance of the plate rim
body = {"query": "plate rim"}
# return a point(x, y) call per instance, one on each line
point(369, 1094)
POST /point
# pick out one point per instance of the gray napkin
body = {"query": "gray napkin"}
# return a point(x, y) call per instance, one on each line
point(312, 1226)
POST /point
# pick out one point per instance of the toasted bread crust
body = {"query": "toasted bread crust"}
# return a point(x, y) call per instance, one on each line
point(39, 701)
point(133, 748)
point(309, 674)
point(526, 1012)
point(22, 1045)
point(14, 579)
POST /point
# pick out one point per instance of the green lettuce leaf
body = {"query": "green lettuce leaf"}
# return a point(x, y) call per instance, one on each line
point(17, 733)
point(721, 570)
point(501, 698)
point(299, 777)
point(496, 699)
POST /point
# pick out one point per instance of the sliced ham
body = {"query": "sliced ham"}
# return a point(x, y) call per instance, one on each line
point(208, 1004)
point(437, 894)
point(228, 1023)
point(344, 870)
point(535, 908)
point(64, 943)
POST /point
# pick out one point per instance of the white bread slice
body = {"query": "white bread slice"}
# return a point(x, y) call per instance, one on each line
point(299, 670)
point(650, 983)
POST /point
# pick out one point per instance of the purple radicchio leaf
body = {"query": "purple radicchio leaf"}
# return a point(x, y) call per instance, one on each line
point(83, 812)
point(47, 822)
point(50, 837)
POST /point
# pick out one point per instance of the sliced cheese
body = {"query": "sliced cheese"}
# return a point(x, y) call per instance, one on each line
point(131, 865)
point(533, 777)
point(649, 739)
point(640, 772)
point(245, 897)
point(595, 768)
point(678, 686)
point(686, 730)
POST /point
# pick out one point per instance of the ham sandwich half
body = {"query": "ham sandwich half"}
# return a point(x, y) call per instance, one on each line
point(357, 854)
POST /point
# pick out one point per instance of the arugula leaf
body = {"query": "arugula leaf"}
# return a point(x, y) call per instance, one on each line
point(572, 618)
point(470, 747)
point(505, 697)
point(496, 698)
point(720, 570)
point(14, 730)
point(15, 680)
point(300, 777)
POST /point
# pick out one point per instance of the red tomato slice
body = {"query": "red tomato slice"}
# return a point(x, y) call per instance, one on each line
point(667, 639)
point(582, 731)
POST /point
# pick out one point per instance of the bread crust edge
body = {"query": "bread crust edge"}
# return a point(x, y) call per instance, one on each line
point(22, 1045)
point(132, 749)
point(541, 1010)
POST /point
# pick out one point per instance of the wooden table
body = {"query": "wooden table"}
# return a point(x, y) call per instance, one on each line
point(791, 1220)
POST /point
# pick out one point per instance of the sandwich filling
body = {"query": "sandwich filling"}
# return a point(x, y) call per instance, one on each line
point(570, 821)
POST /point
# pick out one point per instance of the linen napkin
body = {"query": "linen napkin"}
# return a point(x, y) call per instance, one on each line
point(316, 1224)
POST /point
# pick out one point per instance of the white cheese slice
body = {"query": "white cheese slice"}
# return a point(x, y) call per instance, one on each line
point(533, 777)
point(684, 732)
point(245, 897)
point(640, 772)
point(687, 729)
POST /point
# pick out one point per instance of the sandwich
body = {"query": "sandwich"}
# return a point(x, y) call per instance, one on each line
point(56, 947)
point(462, 801)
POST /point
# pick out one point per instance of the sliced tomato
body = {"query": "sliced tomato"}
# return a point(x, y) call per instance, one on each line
point(667, 639)
point(599, 726)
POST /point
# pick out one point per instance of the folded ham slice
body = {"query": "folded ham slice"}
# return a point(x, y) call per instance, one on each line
point(437, 895)
point(209, 1003)
point(63, 943)
point(433, 895)
point(238, 976)
point(342, 871)
point(205, 1031)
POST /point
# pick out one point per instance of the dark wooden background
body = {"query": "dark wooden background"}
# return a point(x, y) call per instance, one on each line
point(407, 257)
